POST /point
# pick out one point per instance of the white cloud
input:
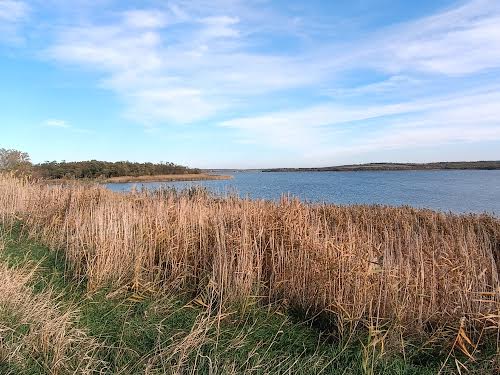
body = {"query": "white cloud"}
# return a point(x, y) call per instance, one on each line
point(133, 63)
point(423, 133)
point(328, 114)
point(459, 41)
point(13, 10)
point(167, 76)
point(393, 83)
point(459, 118)
point(55, 123)
point(145, 19)
point(12, 15)
point(109, 48)
point(208, 56)
point(220, 27)
point(180, 105)
point(63, 124)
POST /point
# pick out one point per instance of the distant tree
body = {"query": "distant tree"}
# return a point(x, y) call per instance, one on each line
point(102, 169)
point(14, 161)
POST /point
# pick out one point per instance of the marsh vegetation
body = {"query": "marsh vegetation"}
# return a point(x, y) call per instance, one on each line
point(398, 284)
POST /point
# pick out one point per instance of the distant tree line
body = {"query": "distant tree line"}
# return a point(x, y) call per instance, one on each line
point(19, 162)
point(485, 165)
point(104, 169)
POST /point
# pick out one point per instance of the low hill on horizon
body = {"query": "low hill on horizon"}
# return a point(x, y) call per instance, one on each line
point(483, 165)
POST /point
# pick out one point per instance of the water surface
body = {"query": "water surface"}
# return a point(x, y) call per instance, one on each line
point(456, 190)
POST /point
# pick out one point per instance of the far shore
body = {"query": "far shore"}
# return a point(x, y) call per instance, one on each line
point(461, 165)
point(168, 178)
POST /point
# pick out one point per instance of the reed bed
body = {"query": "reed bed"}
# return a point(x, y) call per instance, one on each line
point(395, 271)
point(168, 177)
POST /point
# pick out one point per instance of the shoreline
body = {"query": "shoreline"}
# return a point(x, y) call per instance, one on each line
point(443, 166)
point(159, 254)
point(376, 170)
point(166, 178)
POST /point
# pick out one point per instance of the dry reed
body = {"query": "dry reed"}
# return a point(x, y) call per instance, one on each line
point(37, 328)
point(402, 271)
point(168, 177)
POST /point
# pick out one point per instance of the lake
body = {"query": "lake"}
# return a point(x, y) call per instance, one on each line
point(445, 190)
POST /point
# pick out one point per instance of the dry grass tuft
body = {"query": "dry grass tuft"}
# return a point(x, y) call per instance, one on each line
point(3, 240)
point(397, 272)
point(35, 328)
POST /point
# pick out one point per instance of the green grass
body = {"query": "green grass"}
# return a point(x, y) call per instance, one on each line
point(165, 333)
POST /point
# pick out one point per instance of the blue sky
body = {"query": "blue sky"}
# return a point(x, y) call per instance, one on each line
point(251, 83)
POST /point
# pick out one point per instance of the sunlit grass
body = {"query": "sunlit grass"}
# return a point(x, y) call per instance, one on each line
point(390, 280)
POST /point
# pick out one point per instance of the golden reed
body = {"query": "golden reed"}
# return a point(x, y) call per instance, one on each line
point(410, 270)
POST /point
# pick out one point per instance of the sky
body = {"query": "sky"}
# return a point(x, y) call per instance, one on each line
point(251, 83)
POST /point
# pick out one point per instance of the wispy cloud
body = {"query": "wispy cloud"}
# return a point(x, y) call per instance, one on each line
point(133, 58)
point(196, 67)
point(220, 27)
point(13, 10)
point(391, 84)
point(64, 125)
point(432, 121)
point(12, 14)
point(145, 19)
point(182, 50)
point(55, 123)
point(462, 40)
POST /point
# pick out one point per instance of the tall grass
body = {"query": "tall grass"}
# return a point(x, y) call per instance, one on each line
point(398, 272)
point(36, 331)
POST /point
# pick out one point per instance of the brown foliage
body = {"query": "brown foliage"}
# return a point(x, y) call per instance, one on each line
point(415, 271)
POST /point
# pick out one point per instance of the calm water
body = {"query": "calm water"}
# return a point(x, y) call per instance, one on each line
point(459, 191)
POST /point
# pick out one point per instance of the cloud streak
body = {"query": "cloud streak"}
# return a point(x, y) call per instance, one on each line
point(65, 126)
point(450, 119)
point(54, 123)
point(12, 14)
point(147, 56)
point(175, 50)
point(13, 10)
point(462, 40)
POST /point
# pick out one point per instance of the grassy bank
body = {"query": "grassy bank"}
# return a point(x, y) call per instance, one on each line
point(391, 282)
point(50, 324)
